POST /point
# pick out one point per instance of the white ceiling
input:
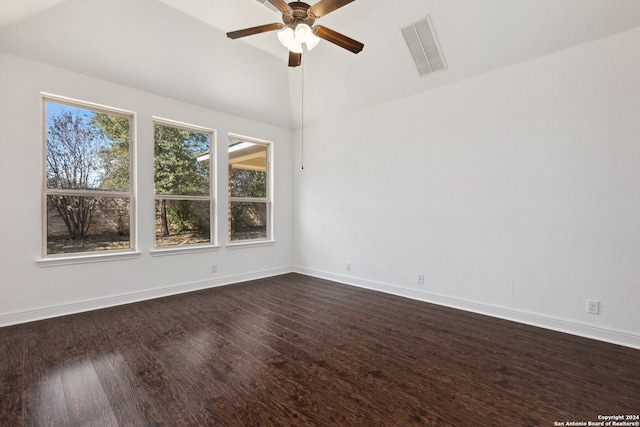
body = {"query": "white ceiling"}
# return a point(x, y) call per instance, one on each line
point(178, 48)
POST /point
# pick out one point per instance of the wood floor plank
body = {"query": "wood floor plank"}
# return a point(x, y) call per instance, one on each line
point(85, 399)
point(546, 351)
point(235, 392)
point(129, 403)
point(43, 400)
point(299, 351)
point(539, 379)
point(358, 377)
point(172, 394)
point(476, 328)
point(386, 370)
point(11, 374)
point(296, 387)
point(222, 389)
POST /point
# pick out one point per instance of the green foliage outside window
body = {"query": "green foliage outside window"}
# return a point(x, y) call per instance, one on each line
point(248, 190)
point(181, 172)
point(87, 172)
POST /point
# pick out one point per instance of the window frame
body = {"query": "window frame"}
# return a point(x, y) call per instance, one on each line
point(268, 200)
point(210, 198)
point(130, 194)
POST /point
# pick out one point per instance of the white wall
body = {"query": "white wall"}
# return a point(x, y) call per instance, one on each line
point(29, 291)
point(516, 193)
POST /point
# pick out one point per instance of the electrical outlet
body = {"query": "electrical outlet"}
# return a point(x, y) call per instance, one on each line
point(420, 279)
point(214, 268)
point(348, 265)
point(593, 306)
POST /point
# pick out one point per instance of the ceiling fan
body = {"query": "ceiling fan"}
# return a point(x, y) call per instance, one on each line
point(298, 28)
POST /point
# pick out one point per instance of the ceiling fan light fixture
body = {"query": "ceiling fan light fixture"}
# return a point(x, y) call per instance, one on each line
point(286, 37)
point(298, 31)
point(295, 39)
point(295, 46)
point(312, 41)
point(303, 33)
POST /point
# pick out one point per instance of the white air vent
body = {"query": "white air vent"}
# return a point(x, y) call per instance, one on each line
point(423, 45)
point(269, 5)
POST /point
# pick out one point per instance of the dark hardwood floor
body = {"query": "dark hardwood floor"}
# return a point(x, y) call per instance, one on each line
point(294, 350)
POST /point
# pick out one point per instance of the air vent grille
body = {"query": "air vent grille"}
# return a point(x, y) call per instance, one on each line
point(423, 45)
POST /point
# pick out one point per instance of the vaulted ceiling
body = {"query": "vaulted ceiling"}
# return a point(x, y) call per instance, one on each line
point(178, 48)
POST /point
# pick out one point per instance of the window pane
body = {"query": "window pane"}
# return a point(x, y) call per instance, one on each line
point(247, 183)
point(181, 161)
point(86, 150)
point(248, 220)
point(248, 169)
point(182, 222)
point(82, 224)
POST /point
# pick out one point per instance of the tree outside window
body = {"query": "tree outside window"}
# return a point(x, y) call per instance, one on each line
point(88, 192)
point(182, 177)
point(249, 190)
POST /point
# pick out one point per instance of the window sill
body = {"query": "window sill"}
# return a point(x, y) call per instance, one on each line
point(182, 251)
point(250, 244)
point(86, 259)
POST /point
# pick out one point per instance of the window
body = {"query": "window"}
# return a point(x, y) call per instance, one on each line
point(249, 189)
point(183, 184)
point(88, 192)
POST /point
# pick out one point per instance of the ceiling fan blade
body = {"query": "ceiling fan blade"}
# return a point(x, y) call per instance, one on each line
point(324, 7)
point(282, 6)
point(338, 39)
point(254, 30)
point(295, 59)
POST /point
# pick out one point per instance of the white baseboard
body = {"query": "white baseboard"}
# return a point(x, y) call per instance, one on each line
point(148, 294)
point(609, 335)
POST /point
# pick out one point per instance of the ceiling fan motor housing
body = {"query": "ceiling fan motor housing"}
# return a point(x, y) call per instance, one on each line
point(299, 15)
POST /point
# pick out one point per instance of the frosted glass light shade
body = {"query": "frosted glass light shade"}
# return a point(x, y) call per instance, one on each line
point(295, 39)
point(295, 46)
point(286, 36)
point(312, 41)
point(303, 33)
